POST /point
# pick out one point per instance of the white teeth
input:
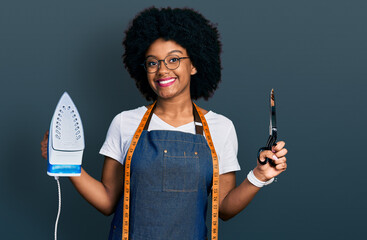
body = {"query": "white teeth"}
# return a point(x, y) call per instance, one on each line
point(167, 81)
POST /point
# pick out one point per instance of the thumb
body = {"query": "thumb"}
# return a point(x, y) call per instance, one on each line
point(267, 154)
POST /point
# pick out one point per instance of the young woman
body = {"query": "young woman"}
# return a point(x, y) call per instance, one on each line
point(174, 57)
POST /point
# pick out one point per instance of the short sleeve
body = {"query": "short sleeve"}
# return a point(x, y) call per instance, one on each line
point(228, 161)
point(112, 147)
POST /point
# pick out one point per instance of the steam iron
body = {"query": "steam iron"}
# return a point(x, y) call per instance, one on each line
point(66, 140)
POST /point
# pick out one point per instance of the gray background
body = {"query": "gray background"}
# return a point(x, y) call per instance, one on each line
point(313, 53)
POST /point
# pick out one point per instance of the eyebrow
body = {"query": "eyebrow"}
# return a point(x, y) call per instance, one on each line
point(173, 51)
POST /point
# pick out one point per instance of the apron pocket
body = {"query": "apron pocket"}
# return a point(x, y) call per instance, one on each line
point(180, 172)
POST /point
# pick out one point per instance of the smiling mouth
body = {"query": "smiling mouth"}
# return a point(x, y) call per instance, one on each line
point(165, 82)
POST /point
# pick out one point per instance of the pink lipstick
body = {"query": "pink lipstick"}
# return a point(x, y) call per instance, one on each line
point(165, 82)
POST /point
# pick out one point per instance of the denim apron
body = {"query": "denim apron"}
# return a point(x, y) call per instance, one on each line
point(171, 178)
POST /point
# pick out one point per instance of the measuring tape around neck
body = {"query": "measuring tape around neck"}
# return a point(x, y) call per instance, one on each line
point(215, 188)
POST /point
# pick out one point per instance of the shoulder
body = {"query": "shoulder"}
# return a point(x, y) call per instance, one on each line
point(225, 141)
point(218, 120)
point(129, 117)
point(203, 111)
point(132, 114)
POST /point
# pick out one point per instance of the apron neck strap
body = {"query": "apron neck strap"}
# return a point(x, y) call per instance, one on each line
point(197, 120)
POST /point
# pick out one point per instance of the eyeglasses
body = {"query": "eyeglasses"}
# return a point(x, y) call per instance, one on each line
point(152, 64)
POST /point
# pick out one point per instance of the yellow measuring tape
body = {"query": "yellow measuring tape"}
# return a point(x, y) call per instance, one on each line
point(215, 187)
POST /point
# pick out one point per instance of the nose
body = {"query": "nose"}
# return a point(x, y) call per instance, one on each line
point(162, 66)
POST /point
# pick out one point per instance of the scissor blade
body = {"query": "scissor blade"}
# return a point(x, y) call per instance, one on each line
point(273, 122)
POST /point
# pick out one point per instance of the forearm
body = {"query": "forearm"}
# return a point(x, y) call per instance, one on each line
point(237, 199)
point(104, 194)
point(94, 192)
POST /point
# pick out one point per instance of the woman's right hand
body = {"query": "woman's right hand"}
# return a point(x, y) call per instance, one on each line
point(44, 143)
point(103, 195)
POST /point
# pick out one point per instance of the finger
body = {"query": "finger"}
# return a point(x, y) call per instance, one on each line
point(43, 147)
point(267, 154)
point(282, 166)
point(280, 160)
point(278, 146)
point(281, 153)
point(44, 153)
point(44, 144)
point(45, 137)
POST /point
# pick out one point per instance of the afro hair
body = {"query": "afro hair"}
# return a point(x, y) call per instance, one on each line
point(184, 26)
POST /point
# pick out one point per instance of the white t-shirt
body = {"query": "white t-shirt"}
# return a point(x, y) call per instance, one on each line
point(124, 125)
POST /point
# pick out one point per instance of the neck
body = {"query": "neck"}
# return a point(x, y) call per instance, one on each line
point(173, 108)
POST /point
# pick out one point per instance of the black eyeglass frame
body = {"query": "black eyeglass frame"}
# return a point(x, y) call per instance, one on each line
point(164, 61)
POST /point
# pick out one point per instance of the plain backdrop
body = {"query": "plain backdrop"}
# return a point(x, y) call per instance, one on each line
point(313, 53)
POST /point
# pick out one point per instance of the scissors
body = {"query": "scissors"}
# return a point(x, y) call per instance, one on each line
point(272, 132)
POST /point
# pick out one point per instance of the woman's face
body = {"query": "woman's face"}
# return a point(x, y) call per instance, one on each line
point(166, 83)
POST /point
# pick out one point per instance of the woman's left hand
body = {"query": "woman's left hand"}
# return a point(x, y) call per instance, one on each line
point(267, 172)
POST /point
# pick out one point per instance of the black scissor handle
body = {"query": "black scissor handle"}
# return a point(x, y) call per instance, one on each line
point(258, 156)
point(269, 144)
